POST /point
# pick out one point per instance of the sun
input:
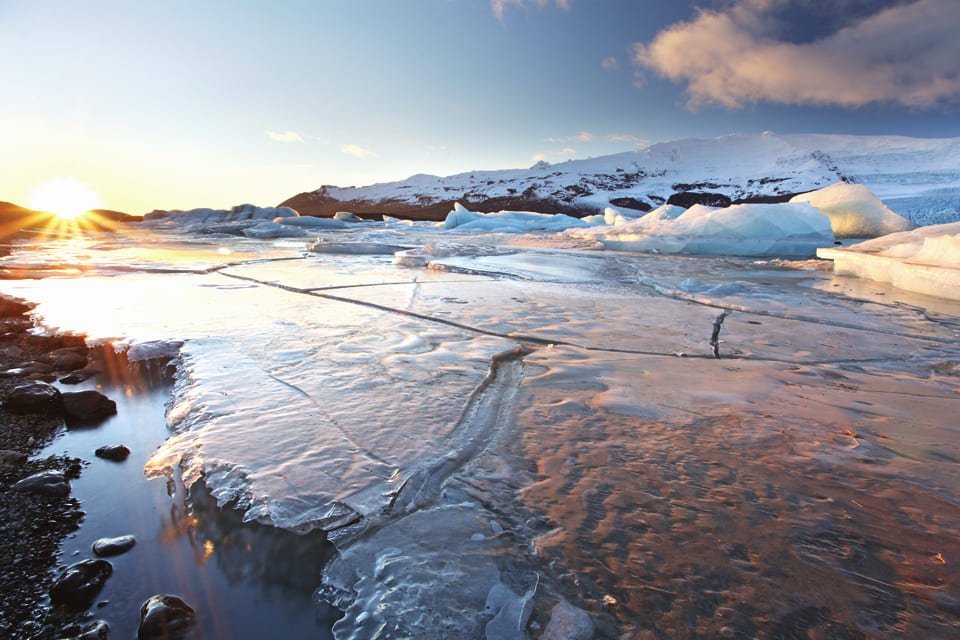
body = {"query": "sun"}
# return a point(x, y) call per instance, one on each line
point(67, 198)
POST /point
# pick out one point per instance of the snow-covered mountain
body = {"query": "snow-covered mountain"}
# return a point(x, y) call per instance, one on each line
point(916, 177)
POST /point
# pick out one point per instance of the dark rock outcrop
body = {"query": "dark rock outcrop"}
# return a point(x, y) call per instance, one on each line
point(80, 583)
point(687, 199)
point(87, 407)
point(44, 483)
point(631, 203)
point(165, 617)
point(35, 397)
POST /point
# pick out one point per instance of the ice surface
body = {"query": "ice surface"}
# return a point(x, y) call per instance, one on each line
point(265, 230)
point(854, 211)
point(925, 260)
point(195, 219)
point(490, 426)
point(745, 229)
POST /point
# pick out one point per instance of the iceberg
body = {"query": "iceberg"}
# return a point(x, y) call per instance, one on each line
point(206, 216)
point(269, 229)
point(746, 229)
point(854, 211)
point(509, 221)
point(925, 260)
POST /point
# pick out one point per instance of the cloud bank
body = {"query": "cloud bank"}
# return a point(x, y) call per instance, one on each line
point(848, 53)
point(286, 136)
point(356, 150)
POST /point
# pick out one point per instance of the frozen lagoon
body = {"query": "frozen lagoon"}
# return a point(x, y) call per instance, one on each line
point(520, 422)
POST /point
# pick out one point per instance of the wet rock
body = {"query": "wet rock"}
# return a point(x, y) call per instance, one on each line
point(87, 407)
point(165, 618)
point(114, 452)
point(67, 359)
point(96, 630)
point(9, 458)
point(27, 369)
point(106, 547)
point(567, 622)
point(44, 483)
point(80, 583)
point(13, 308)
point(34, 397)
point(76, 377)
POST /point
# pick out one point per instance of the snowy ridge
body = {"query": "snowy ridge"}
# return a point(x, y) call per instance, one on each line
point(917, 178)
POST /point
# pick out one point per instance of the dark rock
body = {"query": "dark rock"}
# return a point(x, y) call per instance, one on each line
point(105, 547)
point(631, 203)
point(26, 369)
point(80, 583)
point(34, 397)
point(9, 458)
point(96, 630)
point(165, 618)
point(10, 308)
point(115, 452)
point(76, 377)
point(87, 407)
point(44, 483)
point(67, 358)
point(687, 199)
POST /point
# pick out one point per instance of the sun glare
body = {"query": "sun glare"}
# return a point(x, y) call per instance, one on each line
point(68, 198)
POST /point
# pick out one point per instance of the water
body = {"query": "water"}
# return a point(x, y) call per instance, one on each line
point(506, 428)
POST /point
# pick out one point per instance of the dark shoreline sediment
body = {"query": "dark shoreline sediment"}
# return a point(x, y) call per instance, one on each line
point(32, 526)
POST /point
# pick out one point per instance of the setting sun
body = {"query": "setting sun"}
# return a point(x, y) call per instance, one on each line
point(68, 198)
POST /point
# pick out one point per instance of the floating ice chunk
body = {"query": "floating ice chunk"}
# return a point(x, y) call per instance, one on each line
point(664, 212)
point(509, 221)
point(421, 256)
point(312, 222)
point(745, 229)
point(354, 248)
point(594, 220)
point(925, 260)
point(854, 211)
point(346, 216)
point(266, 230)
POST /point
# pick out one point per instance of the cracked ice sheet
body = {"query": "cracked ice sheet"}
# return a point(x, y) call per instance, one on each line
point(304, 402)
point(700, 495)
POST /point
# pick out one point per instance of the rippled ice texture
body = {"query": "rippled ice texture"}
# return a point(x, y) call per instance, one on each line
point(495, 433)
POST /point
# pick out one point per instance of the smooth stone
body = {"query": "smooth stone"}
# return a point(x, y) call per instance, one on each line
point(96, 630)
point(567, 622)
point(87, 407)
point(114, 452)
point(80, 583)
point(10, 458)
point(44, 483)
point(67, 359)
point(76, 377)
point(27, 369)
point(165, 618)
point(105, 547)
point(35, 397)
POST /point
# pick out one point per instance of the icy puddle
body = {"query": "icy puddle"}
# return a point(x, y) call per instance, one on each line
point(513, 442)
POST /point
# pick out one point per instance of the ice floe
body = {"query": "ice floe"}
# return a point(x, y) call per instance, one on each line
point(508, 221)
point(925, 260)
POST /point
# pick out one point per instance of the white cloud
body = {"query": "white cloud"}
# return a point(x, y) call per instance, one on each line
point(499, 6)
point(583, 136)
point(895, 53)
point(286, 136)
point(610, 64)
point(356, 150)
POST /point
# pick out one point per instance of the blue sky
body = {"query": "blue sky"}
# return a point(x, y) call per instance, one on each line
point(185, 104)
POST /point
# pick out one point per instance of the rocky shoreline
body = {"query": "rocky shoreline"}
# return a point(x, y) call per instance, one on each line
point(40, 598)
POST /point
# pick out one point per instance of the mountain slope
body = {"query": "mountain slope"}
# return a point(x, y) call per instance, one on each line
point(918, 178)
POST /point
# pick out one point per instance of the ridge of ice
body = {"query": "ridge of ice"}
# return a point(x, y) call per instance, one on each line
point(854, 211)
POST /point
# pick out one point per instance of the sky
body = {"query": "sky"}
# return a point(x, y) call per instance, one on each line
point(182, 104)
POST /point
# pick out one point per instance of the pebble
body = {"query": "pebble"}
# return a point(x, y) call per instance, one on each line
point(114, 452)
point(105, 547)
point(164, 617)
